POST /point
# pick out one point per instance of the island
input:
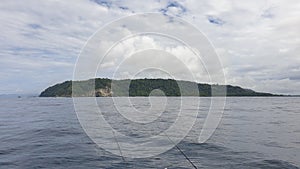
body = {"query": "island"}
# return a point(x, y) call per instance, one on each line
point(104, 87)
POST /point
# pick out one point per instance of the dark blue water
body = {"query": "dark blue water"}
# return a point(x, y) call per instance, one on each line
point(254, 133)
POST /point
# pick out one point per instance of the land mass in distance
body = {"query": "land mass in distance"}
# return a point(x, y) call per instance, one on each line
point(103, 87)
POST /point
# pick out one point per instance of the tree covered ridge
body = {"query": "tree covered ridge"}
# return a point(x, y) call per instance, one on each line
point(144, 87)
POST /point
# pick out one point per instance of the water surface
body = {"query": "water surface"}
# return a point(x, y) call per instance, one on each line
point(254, 133)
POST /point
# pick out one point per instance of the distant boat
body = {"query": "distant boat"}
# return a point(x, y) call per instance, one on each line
point(19, 96)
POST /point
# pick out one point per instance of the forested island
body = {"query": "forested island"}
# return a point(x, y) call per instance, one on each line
point(104, 87)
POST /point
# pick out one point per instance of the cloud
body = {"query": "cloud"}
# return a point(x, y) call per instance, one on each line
point(43, 39)
point(147, 51)
point(258, 42)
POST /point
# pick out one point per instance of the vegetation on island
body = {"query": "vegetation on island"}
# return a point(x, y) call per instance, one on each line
point(103, 87)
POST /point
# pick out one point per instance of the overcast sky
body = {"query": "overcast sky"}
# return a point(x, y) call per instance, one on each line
point(258, 41)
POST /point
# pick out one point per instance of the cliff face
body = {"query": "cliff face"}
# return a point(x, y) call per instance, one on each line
point(143, 87)
point(106, 92)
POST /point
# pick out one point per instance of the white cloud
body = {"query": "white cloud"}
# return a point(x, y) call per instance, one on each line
point(258, 41)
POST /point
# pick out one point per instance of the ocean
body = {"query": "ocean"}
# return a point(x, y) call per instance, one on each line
point(254, 132)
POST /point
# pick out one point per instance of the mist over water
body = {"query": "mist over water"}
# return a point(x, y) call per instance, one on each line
point(253, 133)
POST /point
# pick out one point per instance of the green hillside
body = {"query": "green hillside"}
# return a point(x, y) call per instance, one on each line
point(144, 87)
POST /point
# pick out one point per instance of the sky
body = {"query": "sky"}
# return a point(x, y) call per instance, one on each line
point(258, 42)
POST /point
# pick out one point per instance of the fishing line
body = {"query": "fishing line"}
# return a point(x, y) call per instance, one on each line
point(186, 157)
point(118, 146)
